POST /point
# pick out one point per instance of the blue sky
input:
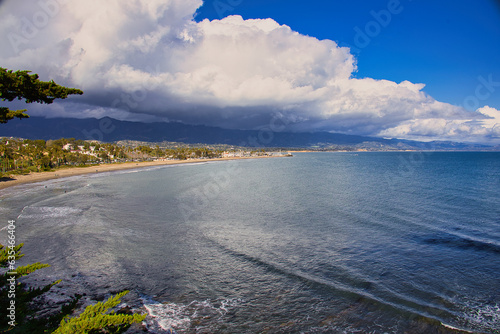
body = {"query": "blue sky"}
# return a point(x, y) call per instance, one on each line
point(413, 69)
point(445, 44)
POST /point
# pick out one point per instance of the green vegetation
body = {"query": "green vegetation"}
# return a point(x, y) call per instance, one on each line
point(22, 85)
point(95, 317)
point(25, 156)
point(11, 289)
point(17, 301)
point(22, 156)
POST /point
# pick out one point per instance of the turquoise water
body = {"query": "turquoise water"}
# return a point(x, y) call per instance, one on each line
point(318, 243)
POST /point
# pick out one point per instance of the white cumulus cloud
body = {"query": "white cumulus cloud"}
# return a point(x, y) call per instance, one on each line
point(150, 59)
point(484, 127)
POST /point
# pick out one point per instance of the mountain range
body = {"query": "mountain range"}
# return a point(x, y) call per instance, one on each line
point(110, 130)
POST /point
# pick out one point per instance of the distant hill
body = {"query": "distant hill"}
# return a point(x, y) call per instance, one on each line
point(110, 130)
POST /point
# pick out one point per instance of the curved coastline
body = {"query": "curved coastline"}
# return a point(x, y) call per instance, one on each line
point(15, 180)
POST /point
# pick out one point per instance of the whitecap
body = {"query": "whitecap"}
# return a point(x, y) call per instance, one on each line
point(171, 317)
point(43, 212)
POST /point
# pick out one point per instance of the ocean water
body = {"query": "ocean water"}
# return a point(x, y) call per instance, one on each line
point(386, 242)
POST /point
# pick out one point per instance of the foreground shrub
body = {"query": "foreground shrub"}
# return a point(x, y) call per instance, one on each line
point(18, 309)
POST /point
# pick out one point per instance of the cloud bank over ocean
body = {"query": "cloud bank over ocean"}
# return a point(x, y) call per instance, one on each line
point(149, 59)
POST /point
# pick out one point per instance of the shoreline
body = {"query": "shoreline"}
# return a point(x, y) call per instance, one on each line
point(15, 180)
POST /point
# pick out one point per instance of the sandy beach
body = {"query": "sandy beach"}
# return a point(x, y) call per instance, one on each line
point(67, 172)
